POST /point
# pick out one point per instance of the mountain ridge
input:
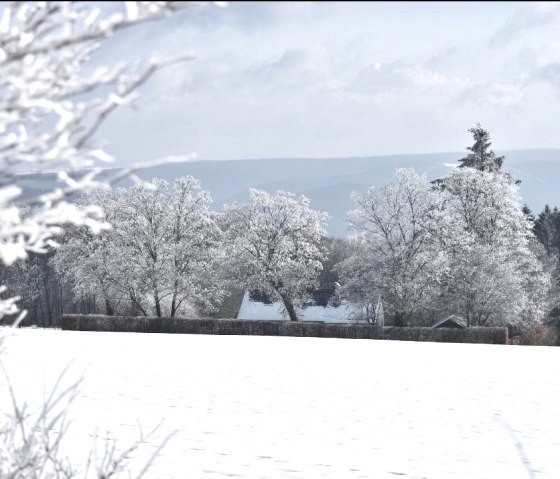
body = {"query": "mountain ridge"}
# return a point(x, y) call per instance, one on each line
point(328, 182)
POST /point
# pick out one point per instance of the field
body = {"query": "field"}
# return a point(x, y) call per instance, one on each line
point(278, 407)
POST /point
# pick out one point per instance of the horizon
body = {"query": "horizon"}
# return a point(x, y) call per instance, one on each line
point(349, 157)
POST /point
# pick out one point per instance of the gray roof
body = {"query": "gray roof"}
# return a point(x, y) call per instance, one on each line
point(454, 318)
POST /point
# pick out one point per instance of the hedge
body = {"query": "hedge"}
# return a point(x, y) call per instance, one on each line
point(77, 322)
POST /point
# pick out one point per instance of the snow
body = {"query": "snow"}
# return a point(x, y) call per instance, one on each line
point(277, 407)
point(255, 310)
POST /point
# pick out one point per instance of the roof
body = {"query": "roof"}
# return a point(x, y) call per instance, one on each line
point(272, 311)
point(451, 321)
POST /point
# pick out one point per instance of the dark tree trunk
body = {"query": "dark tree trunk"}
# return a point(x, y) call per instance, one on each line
point(47, 289)
point(109, 308)
point(399, 319)
point(289, 305)
point(174, 305)
point(137, 303)
point(158, 305)
point(38, 300)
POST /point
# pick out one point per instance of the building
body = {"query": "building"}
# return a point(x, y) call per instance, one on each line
point(452, 321)
point(255, 307)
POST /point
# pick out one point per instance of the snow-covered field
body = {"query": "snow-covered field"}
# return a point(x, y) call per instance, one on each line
point(278, 407)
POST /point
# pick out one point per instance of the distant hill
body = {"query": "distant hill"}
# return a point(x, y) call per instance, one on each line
point(329, 182)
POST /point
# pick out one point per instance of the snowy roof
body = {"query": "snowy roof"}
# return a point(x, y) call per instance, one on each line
point(256, 310)
point(457, 320)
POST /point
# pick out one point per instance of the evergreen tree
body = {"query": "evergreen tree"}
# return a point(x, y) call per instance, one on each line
point(546, 229)
point(528, 213)
point(481, 157)
point(556, 223)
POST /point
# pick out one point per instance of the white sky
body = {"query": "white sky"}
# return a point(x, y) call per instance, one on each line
point(334, 79)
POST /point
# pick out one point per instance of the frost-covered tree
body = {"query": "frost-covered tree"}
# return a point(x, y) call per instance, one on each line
point(336, 250)
point(161, 253)
point(272, 243)
point(494, 275)
point(85, 260)
point(480, 156)
point(357, 283)
point(464, 246)
point(400, 262)
point(51, 105)
point(24, 278)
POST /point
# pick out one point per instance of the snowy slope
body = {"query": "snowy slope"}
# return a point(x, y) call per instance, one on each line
point(272, 407)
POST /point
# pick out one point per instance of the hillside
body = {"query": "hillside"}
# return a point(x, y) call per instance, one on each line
point(329, 182)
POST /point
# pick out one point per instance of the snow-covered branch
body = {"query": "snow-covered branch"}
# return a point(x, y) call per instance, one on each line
point(161, 253)
point(273, 243)
point(52, 103)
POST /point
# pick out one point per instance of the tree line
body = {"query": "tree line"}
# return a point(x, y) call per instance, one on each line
point(461, 244)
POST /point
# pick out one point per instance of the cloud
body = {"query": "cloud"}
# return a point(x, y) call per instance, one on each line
point(275, 80)
point(549, 73)
point(505, 94)
point(533, 16)
point(248, 16)
point(427, 78)
point(293, 66)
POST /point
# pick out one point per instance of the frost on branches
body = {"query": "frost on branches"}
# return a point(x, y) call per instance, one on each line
point(272, 243)
point(397, 259)
point(160, 257)
point(50, 109)
point(494, 276)
point(462, 246)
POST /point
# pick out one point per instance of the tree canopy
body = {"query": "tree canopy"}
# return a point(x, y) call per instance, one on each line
point(273, 243)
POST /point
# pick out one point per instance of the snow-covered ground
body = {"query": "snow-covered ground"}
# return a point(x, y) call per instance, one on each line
point(279, 407)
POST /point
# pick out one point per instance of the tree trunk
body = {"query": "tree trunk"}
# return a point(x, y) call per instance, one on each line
point(36, 311)
point(109, 308)
point(40, 302)
point(137, 303)
point(158, 305)
point(399, 319)
point(289, 305)
point(46, 289)
point(174, 305)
